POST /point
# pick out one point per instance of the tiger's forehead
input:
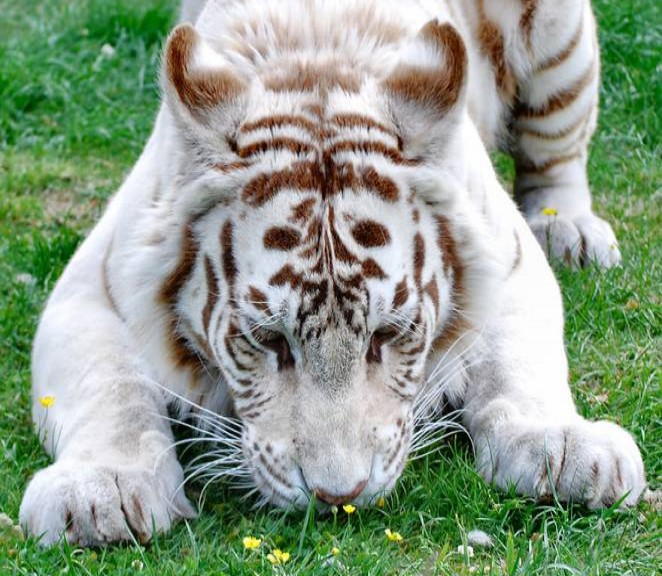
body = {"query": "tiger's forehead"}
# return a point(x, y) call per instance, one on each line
point(324, 144)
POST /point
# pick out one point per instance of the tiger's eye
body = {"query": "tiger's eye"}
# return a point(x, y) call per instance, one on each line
point(277, 342)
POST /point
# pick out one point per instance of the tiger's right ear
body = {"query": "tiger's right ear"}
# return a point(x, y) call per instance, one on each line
point(196, 79)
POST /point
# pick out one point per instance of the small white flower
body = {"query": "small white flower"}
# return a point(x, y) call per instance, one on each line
point(479, 539)
point(467, 551)
point(107, 51)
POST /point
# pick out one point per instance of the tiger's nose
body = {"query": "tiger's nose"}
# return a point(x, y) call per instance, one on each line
point(337, 500)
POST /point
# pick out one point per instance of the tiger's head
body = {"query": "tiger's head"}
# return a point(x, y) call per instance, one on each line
point(316, 272)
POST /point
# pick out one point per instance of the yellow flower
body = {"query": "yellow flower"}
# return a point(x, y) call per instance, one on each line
point(550, 211)
point(278, 556)
point(250, 542)
point(335, 551)
point(381, 502)
point(349, 508)
point(47, 401)
point(393, 536)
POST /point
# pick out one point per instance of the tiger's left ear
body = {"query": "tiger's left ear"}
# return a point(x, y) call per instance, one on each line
point(427, 88)
point(196, 79)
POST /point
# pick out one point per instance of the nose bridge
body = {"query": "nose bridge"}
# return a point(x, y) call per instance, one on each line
point(331, 360)
point(335, 455)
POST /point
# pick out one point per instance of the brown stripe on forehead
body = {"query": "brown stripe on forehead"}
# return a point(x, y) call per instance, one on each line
point(303, 211)
point(314, 78)
point(299, 176)
point(279, 121)
point(370, 147)
point(381, 185)
point(371, 269)
point(212, 293)
point(276, 144)
point(281, 238)
point(359, 121)
point(370, 234)
point(286, 275)
point(340, 250)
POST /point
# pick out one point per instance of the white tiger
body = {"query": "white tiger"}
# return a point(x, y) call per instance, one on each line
point(314, 244)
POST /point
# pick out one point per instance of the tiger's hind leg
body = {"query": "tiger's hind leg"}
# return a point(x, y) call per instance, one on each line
point(553, 122)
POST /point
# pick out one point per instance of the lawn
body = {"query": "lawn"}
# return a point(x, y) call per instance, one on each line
point(73, 118)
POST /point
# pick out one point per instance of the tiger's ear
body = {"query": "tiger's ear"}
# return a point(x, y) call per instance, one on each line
point(426, 89)
point(197, 80)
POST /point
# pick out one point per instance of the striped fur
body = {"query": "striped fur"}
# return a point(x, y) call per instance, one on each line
point(314, 255)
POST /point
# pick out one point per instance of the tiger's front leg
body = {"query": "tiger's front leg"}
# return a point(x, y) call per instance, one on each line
point(552, 126)
point(518, 406)
point(115, 475)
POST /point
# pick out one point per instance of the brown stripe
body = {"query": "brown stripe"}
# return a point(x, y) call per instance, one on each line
point(182, 355)
point(303, 211)
point(286, 275)
point(280, 121)
point(359, 121)
point(106, 282)
point(518, 254)
point(300, 176)
point(232, 166)
point(432, 290)
point(419, 259)
point(281, 238)
point(371, 269)
point(564, 54)
point(229, 263)
point(493, 47)
point(258, 299)
point(401, 294)
point(212, 293)
point(438, 88)
point(562, 99)
point(457, 323)
point(196, 89)
point(529, 167)
point(275, 144)
point(581, 121)
point(526, 20)
point(393, 154)
point(313, 78)
point(340, 250)
point(370, 234)
point(382, 185)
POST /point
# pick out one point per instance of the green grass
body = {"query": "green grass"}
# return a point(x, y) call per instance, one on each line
point(72, 123)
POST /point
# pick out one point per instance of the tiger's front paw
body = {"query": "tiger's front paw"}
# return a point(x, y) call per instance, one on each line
point(92, 505)
point(578, 241)
point(595, 463)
